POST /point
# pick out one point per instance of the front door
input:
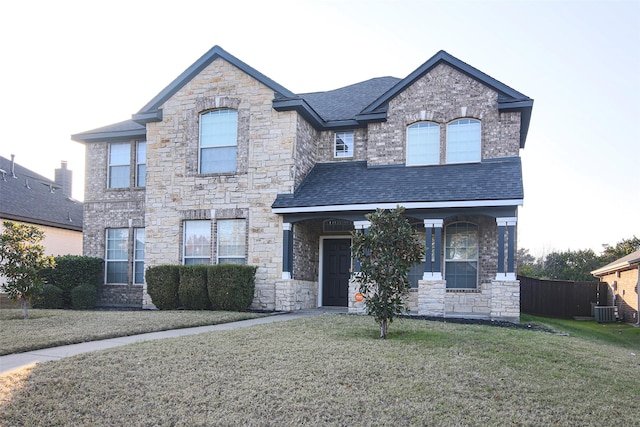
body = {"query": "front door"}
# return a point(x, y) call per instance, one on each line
point(336, 263)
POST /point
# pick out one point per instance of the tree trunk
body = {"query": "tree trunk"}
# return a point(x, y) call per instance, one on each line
point(383, 329)
point(23, 301)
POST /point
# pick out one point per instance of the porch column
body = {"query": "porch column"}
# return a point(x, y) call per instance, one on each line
point(433, 271)
point(506, 226)
point(287, 250)
point(361, 227)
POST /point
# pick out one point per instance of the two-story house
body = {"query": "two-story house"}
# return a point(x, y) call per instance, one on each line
point(226, 165)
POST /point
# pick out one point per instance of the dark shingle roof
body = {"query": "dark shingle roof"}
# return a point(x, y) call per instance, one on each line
point(353, 183)
point(28, 198)
point(125, 131)
point(345, 103)
point(348, 107)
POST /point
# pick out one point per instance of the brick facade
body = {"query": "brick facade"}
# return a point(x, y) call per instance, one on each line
point(623, 293)
point(275, 152)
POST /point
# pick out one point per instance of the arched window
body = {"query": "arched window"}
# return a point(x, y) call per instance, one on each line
point(461, 256)
point(218, 141)
point(423, 144)
point(464, 141)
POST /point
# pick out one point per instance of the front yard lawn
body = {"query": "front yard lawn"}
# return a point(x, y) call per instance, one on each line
point(333, 370)
point(49, 328)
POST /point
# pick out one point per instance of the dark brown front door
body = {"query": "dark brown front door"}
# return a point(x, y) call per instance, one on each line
point(336, 263)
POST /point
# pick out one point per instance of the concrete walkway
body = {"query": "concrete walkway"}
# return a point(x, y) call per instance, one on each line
point(17, 361)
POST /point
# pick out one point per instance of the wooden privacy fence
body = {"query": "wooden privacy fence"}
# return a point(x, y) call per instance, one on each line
point(560, 298)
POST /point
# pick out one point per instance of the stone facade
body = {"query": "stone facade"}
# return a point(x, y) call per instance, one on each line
point(276, 149)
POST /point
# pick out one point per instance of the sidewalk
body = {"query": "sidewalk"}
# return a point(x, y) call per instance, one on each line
point(20, 360)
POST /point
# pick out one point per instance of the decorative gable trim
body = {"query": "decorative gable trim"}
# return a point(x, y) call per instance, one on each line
point(152, 112)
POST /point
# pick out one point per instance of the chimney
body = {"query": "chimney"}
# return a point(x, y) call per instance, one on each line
point(63, 178)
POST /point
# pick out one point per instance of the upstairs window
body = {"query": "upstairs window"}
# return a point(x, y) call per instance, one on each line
point(232, 241)
point(218, 141)
point(141, 164)
point(119, 164)
point(461, 256)
point(343, 144)
point(197, 242)
point(463, 141)
point(423, 144)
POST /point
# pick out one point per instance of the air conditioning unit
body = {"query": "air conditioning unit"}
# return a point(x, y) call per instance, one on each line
point(605, 314)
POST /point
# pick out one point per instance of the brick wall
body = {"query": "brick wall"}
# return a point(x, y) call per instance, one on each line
point(443, 95)
point(625, 290)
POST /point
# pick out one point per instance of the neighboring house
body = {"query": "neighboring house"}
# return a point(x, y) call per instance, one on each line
point(623, 279)
point(226, 165)
point(29, 198)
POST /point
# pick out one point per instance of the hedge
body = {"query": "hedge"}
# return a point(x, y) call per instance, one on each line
point(162, 286)
point(50, 296)
point(72, 271)
point(231, 286)
point(193, 287)
point(84, 297)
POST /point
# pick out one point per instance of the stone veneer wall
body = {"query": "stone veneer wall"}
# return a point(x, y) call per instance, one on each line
point(442, 95)
point(265, 167)
point(293, 294)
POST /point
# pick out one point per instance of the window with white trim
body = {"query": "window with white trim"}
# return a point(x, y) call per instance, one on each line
point(461, 256)
point(464, 141)
point(138, 255)
point(343, 144)
point(232, 241)
point(119, 165)
point(218, 141)
point(116, 258)
point(141, 164)
point(196, 247)
point(423, 144)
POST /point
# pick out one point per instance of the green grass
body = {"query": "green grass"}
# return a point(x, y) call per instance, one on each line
point(49, 328)
point(618, 334)
point(333, 370)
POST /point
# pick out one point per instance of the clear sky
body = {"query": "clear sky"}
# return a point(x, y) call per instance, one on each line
point(71, 66)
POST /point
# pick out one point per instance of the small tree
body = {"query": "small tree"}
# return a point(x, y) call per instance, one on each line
point(21, 259)
point(386, 254)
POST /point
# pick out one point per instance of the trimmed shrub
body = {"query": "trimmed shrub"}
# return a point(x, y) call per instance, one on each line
point(162, 286)
point(84, 297)
point(193, 287)
point(72, 271)
point(231, 286)
point(50, 296)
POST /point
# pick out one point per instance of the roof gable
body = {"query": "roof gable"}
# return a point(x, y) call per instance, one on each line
point(509, 99)
point(152, 112)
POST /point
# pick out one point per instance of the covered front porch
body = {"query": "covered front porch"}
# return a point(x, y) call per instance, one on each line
point(317, 269)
